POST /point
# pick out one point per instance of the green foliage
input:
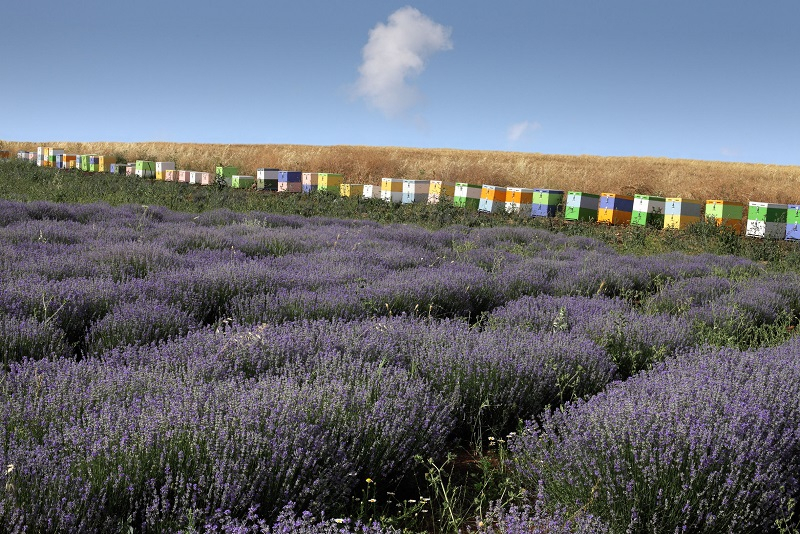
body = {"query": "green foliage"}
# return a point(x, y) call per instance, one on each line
point(24, 181)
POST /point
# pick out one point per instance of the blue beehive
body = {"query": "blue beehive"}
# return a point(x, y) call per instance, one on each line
point(546, 202)
point(290, 181)
point(309, 181)
point(793, 221)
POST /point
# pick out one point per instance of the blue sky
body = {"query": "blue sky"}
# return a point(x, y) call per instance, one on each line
point(700, 79)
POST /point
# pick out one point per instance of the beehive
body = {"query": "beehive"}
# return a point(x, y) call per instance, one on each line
point(105, 163)
point(267, 179)
point(22, 154)
point(493, 199)
point(94, 163)
point(392, 190)
point(290, 181)
point(32, 156)
point(206, 178)
point(242, 181)
point(69, 161)
point(416, 191)
point(467, 195)
point(793, 221)
point(195, 178)
point(43, 159)
point(130, 169)
point(352, 190)
point(78, 160)
point(56, 157)
point(183, 176)
point(371, 191)
point(614, 209)
point(725, 213)
point(310, 182)
point(170, 175)
point(519, 200)
point(765, 219)
point(162, 166)
point(546, 202)
point(145, 168)
point(440, 189)
point(226, 172)
point(329, 181)
point(581, 206)
point(39, 155)
point(86, 162)
point(680, 213)
point(648, 211)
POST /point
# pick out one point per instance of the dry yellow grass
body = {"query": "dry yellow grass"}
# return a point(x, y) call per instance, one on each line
point(701, 180)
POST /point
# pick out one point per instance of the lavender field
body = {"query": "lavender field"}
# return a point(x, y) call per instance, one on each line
point(225, 372)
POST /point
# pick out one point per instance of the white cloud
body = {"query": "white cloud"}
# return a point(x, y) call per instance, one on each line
point(516, 131)
point(396, 52)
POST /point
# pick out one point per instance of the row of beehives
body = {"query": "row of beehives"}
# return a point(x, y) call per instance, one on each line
point(763, 219)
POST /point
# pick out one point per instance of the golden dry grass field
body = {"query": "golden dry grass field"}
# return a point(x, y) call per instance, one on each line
point(701, 180)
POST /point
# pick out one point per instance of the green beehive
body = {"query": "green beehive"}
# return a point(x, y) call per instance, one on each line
point(85, 162)
point(765, 219)
point(145, 168)
point(793, 214)
point(328, 181)
point(546, 202)
point(467, 195)
point(767, 212)
point(226, 173)
point(242, 182)
point(581, 206)
point(648, 211)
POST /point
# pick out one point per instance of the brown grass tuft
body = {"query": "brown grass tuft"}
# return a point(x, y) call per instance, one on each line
point(701, 180)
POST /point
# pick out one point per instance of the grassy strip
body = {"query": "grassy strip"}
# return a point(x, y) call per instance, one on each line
point(22, 181)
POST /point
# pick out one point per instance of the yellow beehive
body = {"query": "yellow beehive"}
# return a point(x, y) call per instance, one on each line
point(392, 190)
point(681, 213)
point(440, 189)
point(162, 166)
point(352, 190)
point(105, 163)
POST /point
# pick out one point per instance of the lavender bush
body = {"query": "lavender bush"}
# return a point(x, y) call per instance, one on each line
point(28, 338)
point(705, 443)
point(139, 322)
point(633, 340)
point(158, 446)
point(536, 519)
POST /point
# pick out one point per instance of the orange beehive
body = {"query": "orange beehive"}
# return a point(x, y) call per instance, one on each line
point(493, 199)
point(725, 213)
point(519, 200)
point(615, 209)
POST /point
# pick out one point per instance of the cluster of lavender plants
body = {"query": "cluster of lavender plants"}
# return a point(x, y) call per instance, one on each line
point(633, 340)
point(166, 371)
point(704, 443)
point(97, 445)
